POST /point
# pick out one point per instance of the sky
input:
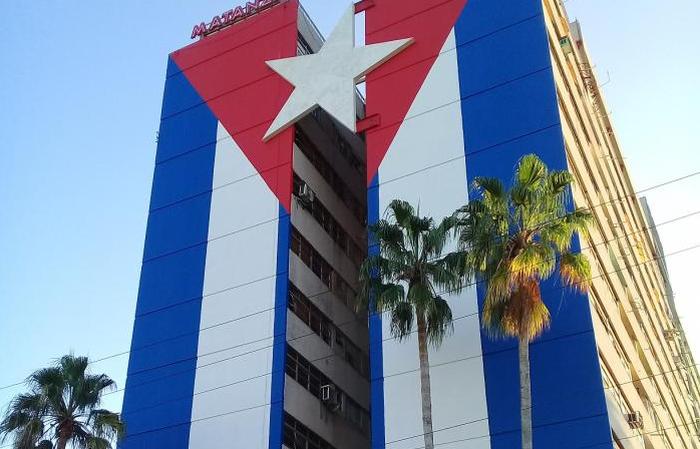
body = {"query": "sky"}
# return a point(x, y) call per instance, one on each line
point(81, 86)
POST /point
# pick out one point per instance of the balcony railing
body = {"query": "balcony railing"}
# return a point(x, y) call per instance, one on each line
point(331, 334)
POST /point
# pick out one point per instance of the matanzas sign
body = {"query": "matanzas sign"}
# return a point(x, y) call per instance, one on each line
point(232, 16)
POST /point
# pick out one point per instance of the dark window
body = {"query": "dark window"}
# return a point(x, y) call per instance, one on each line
point(312, 379)
point(298, 436)
point(332, 227)
point(317, 321)
point(303, 47)
point(330, 175)
point(313, 259)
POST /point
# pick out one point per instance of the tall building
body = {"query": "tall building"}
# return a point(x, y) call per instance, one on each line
point(247, 331)
point(650, 378)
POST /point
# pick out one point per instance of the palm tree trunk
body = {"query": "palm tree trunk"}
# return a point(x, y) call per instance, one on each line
point(426, 400)
point(525, 393)
point(62, 442)
point(65, 431)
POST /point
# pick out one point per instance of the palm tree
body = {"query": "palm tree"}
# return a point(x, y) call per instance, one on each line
point(405, 279)
point(513, 240)
point(61, 408)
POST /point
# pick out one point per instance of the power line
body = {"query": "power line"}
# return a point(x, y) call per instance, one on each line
point(455, 361)
point(387, 339)
point(554, 423)
point(396, 374)
point(310, 334)
point(354, 321)
point(435, 365)
point(467, 285)
point(685, 425)
point(658, 432)
point(663, 184)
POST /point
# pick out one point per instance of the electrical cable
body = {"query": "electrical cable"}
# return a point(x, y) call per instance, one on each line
point(354, 321)
point(310, 334)
point(479, 356)
point(101, 359)
point(489, 435)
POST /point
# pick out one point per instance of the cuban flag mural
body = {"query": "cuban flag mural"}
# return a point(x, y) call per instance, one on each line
point(473, 94)
point(216, 249)
point(455, 89)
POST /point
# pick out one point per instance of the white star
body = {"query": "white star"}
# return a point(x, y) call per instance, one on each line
point(329, 77)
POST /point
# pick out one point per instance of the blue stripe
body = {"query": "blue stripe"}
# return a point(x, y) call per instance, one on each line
point(510, 109)
point(280, 331)
point(172, 281)
point(376, 356)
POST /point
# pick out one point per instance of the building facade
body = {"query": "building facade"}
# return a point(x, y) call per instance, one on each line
point(247, 331)
point(650, 377)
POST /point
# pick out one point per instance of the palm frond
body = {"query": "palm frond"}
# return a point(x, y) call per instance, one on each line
point(448, 274)
point(403, 277)
point(63, 397)
point(522, 315)
point(530, 171)
point(73, 368)
point(439, 322)
point(387, 235)
point(402, 318)
point(401, 211)
point(421, 296)
point(579, 220)
point(388, 297)
point(512, 239)
point(492, 189)
point(93, 442)
point(500, 285)
point(106, 424)
point(87, 391)
point(559, 181)
point(575, 271)
point(48, 380)
point(535, 261)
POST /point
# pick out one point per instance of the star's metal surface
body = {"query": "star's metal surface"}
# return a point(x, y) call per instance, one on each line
point(328, 78)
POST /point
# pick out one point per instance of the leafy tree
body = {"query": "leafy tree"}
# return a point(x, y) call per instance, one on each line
point(513, 240)
point(61, 409)
point(405, 280)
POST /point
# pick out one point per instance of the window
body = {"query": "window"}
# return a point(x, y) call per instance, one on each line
point(312, 259)
point(330, 175)
point(332, 227)
point(345, 348)
point(298, 436)
point(303, 47)
point(312, 379)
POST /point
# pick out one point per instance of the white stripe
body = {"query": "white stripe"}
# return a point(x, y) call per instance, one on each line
point(238, 252)
point(432, 136)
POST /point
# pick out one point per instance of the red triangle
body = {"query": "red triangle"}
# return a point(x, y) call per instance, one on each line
point(393, 86)
point(228, 71)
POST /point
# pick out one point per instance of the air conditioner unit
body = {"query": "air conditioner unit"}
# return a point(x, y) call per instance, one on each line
point(306, 195)
point(637, 304)
point(679, 360)
point(671, 334)
point(566, 46)
point(331, 397)
point(635, 420)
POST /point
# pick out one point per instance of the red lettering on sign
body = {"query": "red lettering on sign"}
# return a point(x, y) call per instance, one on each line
point(251, 8)
point(199, 30)
point(215, 24)
point(238, 13)
point(232, 16)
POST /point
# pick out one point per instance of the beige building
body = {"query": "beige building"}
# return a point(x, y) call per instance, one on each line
point(649, 374)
